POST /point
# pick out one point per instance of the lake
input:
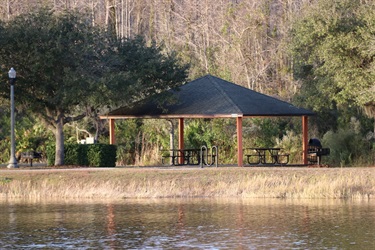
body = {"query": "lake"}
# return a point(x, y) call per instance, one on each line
point(199, 223)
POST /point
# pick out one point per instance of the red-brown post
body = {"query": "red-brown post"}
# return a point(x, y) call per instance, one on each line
point(239, 142)
point(181, 138)
point(112, 139)
point(304, 138)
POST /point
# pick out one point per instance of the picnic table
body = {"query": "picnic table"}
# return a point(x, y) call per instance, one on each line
point(190, 156)
point(265, 155)
point(30, 156)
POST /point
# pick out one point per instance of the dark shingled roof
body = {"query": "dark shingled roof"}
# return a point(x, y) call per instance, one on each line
point(210, 96)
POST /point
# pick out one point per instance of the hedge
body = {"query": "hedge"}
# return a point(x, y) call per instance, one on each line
point(93, 155)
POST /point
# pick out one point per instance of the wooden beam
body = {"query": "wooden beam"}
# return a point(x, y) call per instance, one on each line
point(239, 142)
point(112, 139)
point(181, 138)
point(305, 135)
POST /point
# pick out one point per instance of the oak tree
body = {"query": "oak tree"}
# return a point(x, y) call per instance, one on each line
point(66, 66)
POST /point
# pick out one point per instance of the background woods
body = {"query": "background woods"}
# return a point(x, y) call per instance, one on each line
point(277, 47)
point(239, 40)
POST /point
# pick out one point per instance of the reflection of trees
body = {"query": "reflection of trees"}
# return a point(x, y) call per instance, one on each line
point(305, 219)
point(202, 221)
point(181, 221)
point(111, 226)
point(240, 224)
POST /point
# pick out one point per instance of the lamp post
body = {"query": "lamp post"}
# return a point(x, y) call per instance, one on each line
point(13, 160)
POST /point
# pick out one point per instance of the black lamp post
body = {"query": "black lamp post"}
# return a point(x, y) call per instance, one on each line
point(13, 161)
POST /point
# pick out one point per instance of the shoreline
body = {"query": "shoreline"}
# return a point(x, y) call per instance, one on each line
point(189, 182)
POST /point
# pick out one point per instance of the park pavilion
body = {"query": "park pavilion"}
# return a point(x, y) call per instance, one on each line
point(212, 97)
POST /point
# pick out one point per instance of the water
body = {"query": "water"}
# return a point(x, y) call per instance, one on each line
point(187, 224)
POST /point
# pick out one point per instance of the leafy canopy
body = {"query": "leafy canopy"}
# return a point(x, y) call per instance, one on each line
point(56, 58)
point(66, 67)
point(334, 50)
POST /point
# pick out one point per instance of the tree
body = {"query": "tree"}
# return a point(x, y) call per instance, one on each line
point(67, 67)
point(368, 100)
point(56, 58)
point(334, 57)
point(145, 69)
point(133, 72)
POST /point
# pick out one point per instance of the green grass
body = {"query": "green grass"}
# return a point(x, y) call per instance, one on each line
point(119, 183)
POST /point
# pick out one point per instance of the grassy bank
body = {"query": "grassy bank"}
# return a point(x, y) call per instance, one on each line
point(343, 183)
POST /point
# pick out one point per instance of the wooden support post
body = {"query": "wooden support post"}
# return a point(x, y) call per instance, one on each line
point(112, 139)
point(181, 139)
point(304, 139)
point(239, 142)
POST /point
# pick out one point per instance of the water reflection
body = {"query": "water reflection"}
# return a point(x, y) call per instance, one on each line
point(188, 223)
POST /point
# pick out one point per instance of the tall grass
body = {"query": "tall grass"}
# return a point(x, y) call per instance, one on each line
point(332, 183)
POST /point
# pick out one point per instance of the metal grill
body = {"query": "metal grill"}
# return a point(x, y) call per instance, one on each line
point(316, 151)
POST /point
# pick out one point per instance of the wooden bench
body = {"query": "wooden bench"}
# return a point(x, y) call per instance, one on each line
point(30, 156)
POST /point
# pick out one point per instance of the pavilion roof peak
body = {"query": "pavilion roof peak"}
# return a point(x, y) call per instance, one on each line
point(210, 96)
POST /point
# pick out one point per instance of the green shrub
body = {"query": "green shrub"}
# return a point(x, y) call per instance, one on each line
point(291, 143)
point(94, 155)
point(101, 155)
point(4, 150)
point(125, 156)
point(76, 154)
point(346, 146)
point(50, 153)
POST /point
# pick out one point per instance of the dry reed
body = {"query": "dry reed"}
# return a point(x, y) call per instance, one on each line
point(332, 183)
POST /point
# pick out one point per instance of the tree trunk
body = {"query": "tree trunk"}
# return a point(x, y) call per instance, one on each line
point(59, 133)
point(111, 17)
